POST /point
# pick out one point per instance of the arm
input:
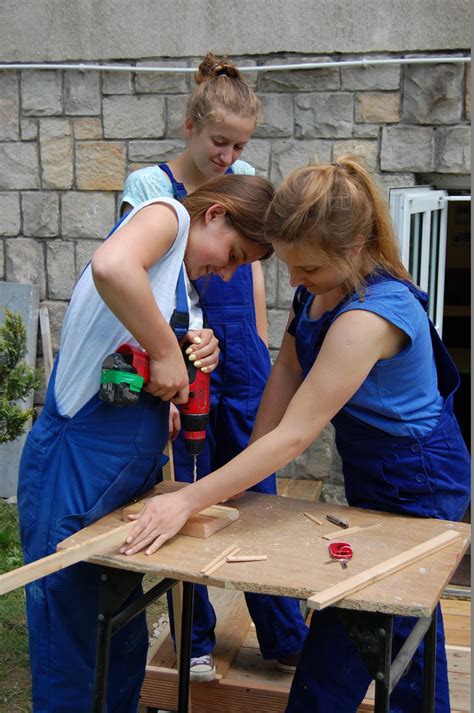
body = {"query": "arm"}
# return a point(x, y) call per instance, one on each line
point(353, 344)
point(119, 269)
point(284, 380)
point(259, 301)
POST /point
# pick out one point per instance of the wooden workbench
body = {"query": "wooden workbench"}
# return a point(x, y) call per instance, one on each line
point(297, 566)
point(297, 553)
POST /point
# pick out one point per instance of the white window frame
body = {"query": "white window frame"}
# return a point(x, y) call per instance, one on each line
point(420, 216)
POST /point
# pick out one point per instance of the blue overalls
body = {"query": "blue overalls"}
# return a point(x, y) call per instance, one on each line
point(237, 386)
point(425, 477)
point(74, 471)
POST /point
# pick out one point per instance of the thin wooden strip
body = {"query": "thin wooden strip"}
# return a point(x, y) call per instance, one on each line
point(331, 595)
point(311, 517)
point(246, 558)
point(46, 343)
point(223, 554)
point(59, 560)
point(349, 531)
point(219, 563)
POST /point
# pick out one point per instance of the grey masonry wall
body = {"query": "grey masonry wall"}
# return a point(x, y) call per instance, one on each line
point(69, 138)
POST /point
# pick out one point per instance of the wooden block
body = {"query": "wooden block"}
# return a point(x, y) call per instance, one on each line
point(202, 525)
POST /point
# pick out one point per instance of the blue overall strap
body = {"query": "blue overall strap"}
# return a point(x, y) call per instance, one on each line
point(179, 191)
point(179, 321)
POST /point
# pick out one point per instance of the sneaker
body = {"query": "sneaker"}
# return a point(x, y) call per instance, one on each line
point(288, 664)
point(202, 669)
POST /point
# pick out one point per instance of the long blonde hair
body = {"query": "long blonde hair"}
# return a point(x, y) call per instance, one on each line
point(336, 206)
point(221, 88)
point(245, 199)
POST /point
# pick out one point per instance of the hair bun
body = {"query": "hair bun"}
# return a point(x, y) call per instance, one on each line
point(211, 67)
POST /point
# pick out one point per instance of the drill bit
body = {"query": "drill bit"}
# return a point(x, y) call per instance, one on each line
point(195, 469)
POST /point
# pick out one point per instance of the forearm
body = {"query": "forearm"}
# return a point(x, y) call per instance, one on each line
point(280, 389)
point(260, 302)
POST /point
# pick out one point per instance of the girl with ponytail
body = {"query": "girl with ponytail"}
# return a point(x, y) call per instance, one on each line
point(359, 352)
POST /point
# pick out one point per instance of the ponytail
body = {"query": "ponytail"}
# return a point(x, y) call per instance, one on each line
point(337, 206)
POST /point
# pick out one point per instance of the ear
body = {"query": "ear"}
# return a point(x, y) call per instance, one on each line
point(356, 248)
point(213, 212)
point(188, 128)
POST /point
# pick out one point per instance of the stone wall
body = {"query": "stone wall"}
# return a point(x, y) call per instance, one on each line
point(69, 138)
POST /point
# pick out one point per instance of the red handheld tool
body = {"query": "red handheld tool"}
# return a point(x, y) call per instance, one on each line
point(126, 371)
point(340, 552)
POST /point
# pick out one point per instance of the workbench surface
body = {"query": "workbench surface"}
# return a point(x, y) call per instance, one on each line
point(297, 554)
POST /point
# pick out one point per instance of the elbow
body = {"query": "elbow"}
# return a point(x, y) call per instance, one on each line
point(295, 443)
point(103, 269)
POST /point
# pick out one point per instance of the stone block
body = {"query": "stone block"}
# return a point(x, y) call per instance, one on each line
point(371, 77)
point(84, 251)
point(19, 167)
point(432, 94)
point(100, 165)
point(9, 107)
point(25, 263)
point(60, 265)
point(257, 154)
point(154, 151)
point(56, 147)
point(453, 149)
point(87, 215)
point(28, 129)
point(41, 93)
point(377, 107)
point(277, 319)
point(287, 155)
point(364, 151)
point(163, 83)
point(10, 215)
point(82, 93)
point(324, 115)
point(40, 211)
point(56, 312)
point(366, 131)
point(270, 275)
point(131, 117)
point(301, 80)
point(285, 291)
point(87, 128)
point(277, 116)
point(407, 148)
point(175, 116)
point(22, 299)
point(117, 83)
point(386, 181)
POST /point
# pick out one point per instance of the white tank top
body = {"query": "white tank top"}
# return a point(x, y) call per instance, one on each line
point(91, 331)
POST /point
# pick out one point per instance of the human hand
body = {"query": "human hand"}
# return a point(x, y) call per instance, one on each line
point(161, 518)
point(203, 349)
point(169, 378)
point(174, 423)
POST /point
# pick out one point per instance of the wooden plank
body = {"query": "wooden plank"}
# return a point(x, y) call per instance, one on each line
point(334, 594)
point(105, 542)
point(301, 489)
point(46, 343)
point(343, 533)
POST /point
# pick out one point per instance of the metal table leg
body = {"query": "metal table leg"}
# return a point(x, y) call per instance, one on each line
point(116, 586)
point(185, 647)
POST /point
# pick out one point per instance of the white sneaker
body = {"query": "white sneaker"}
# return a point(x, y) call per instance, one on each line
point(202, 669)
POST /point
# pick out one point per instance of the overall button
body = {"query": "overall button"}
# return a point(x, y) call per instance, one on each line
point(415, 448)
point(420, 477)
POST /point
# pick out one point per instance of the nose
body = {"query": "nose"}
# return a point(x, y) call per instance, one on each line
point(226, 155)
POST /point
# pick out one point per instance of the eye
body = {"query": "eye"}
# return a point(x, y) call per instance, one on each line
point(308, 270)
point(217, 142)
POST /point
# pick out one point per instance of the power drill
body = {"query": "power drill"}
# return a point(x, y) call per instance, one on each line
point(126, 371)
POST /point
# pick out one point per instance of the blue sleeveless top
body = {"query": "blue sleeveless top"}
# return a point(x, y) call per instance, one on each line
point(400, 395)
